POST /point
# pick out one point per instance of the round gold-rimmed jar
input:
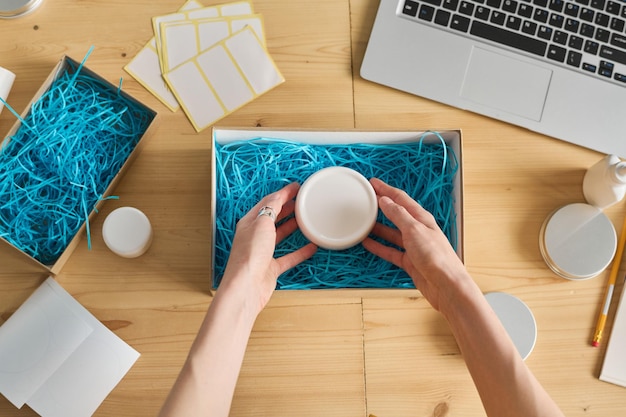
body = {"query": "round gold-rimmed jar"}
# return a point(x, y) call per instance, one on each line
point(577, 241)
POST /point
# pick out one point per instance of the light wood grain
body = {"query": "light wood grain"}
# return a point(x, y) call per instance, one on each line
point(312, 353)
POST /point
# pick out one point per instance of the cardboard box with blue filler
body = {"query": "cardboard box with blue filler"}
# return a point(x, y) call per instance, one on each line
point(251, 163)
point(63, 158)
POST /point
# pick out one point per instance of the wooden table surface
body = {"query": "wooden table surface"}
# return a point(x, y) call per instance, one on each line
point(314, 353)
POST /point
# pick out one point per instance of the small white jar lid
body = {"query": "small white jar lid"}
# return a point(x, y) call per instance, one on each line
point(517, 320)
point(127, 232)
point(578, 241)
point(336, 208)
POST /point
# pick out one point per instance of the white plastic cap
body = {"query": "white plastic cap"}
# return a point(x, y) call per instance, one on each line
point(127, 232)
point(6, 83)
point(336, 208)
point(620, 172)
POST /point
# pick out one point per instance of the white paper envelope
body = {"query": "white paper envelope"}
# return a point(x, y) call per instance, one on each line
point(223, 78)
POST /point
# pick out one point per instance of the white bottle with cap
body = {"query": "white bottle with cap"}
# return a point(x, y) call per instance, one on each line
point(605, 182)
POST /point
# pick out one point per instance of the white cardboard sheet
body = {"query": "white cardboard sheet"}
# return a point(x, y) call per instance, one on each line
point(614, 364)
point(65, 360)
point(38, 338)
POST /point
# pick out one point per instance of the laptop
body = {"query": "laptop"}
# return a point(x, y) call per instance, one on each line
point(557, 67)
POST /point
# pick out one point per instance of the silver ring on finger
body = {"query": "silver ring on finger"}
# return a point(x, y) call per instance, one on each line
point(267, 211)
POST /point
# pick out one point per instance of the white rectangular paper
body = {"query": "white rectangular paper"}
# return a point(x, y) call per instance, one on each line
point(77, 386)
point(177, 17)
point(88, 376)
point(236, 8)
point(146, 69)
point(179, 44)
point(254, 61)
point(224, 76)
point(223, 73)
point(199, 101)
point(35, 341)
point(614, 365)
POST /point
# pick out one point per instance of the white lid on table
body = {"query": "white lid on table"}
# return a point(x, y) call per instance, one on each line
point(127, 232)
point(517, 319)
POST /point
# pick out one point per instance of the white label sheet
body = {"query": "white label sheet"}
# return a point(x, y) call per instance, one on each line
point(182, 40)
point(223, 78)
point(145, 67)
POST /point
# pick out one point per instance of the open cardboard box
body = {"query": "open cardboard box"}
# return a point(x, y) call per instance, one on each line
point(451, 137)
point(64, 64)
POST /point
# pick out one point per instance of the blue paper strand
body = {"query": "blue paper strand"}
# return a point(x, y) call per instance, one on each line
point(57, 165)
point(246, 171)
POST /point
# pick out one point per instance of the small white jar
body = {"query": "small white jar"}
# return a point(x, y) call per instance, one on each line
point(127, 232)
point(336, 208)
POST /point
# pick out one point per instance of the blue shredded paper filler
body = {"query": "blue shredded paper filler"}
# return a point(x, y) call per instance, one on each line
point(248, 170)
point(57, 165)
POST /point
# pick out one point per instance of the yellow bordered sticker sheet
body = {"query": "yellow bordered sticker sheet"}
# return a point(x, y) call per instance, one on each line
point(145, 67)
point(228, 9)
point(182, 40)
point(223, 78)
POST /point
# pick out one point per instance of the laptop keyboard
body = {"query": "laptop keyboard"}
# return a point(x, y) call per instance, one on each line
point(586, 35)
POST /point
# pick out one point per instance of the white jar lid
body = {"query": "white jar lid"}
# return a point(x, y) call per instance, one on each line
point(336, 208)
point(578, 241)
point(517, 319)
point(127, 232)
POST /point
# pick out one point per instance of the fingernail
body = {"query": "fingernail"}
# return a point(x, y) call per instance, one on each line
point(385, 200)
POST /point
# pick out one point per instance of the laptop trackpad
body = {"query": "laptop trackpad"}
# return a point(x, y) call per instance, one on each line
point(506, 84)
